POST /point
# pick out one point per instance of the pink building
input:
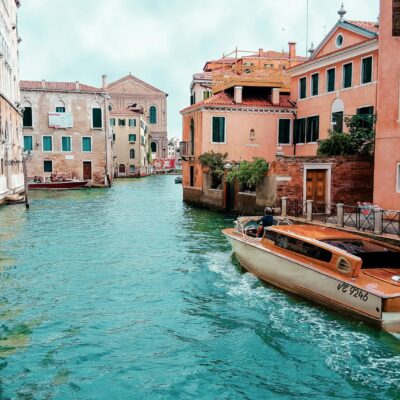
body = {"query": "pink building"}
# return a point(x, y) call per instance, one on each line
point(387, 153)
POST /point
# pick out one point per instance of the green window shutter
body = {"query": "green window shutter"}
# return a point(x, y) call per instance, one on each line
point(121, 122)
point(218, 133)
point(47, 166)
point(367, 70)
point(60, 109)
point(97, 118)
point(28, 143)
point(132, 122)
point(299, 130)
point(347, 75)
point(132, 153)
point(312, 129)
point(314, 84)
point(132, 137)
point(284, 131)
point(112, 121)
point(47, 143)
point(66, 143)
point(27, 118)
point(86, 144)
point(303, 88)
point(331, 80)
point(153, 115)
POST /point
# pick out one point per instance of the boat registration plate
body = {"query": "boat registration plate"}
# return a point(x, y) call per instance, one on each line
point(350, 290)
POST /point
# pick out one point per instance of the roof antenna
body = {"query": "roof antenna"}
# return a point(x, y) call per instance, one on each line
point(307, 30)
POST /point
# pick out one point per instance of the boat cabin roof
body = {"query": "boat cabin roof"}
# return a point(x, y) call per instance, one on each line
point(316, 232)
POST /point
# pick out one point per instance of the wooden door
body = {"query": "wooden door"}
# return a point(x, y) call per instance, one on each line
point(316, 185)
point(87, 170)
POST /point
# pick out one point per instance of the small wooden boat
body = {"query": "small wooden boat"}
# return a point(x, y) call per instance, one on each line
point(178, 179)
point(57, 185)
point(341, 270)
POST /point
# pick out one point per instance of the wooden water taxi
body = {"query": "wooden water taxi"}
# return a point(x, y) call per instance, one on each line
point(341, 270)
point(57, 185)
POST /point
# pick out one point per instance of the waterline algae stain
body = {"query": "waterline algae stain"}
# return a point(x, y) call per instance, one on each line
point(128, 293)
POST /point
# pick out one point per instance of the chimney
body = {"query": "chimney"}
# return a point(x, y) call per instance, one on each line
point(260, 51)
point(43, 84)
point(238, 92)
point(77, 88)
point(292, 49)
point(104, 82)
point(275, 97)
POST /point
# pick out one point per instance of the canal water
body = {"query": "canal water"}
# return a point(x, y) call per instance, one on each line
point(128, 293)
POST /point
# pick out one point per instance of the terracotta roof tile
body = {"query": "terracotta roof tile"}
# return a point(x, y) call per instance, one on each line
point(58, 86)
point(225, 99)
point(367, 25)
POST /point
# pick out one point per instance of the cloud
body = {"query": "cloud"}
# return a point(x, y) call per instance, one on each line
point(163, 42)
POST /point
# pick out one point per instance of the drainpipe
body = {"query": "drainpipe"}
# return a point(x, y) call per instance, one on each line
point(107, 173)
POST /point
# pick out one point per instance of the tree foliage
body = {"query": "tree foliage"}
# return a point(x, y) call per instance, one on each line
point(248, 173)
point(215, 162)
point(359, 140)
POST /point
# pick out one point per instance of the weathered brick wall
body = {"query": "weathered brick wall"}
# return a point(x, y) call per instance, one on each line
point(351, 177)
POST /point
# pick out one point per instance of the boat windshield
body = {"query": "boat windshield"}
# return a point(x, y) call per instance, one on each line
point(373, 255)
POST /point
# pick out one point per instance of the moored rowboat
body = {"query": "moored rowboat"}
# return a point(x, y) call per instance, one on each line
point(338, 269)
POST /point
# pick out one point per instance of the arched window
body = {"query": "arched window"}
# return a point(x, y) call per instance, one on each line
point(153, 115)
point(60, 106)
point(337, 115)
point(153, 147)
point(132, 153)
point(192, 134)
point(27, 120)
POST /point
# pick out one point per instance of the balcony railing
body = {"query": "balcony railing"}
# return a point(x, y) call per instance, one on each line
point(250, 75)
point(186, 149)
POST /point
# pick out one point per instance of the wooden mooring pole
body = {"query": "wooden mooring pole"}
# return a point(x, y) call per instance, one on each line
point(25, 182)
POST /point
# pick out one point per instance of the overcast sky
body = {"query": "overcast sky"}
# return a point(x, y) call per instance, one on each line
point(163, 42)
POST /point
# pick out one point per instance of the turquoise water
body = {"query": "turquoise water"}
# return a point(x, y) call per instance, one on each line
point(129, 294)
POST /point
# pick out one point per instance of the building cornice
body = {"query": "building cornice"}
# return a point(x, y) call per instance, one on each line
point(332, 58)
point(256, 110)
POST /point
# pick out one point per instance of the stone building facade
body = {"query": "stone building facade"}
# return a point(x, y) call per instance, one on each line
point(66, 131)
point(131, 143)
point(11, 145)
point(129, 91)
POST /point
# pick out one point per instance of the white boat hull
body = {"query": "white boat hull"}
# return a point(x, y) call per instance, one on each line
point(311, 283)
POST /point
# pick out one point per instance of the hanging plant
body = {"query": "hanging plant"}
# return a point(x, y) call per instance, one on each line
point(214, 162)
point(248, 173)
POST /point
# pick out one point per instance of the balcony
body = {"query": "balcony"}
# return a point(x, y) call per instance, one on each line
point(187, 150)
point(250, 75)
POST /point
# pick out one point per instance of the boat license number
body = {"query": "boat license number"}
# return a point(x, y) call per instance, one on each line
point(352, 291)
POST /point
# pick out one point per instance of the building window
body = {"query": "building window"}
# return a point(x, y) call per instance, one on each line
point(86, 144)
point(366, 70)
point(121, 122)
point(47, 166)
point(396, 18)
point(206, 94)
point(347, 75)
point(153, 115)
point(398, 178)
point(218, 129)
point(337, 121)
point(132, 154)
point(97, 118)
point(27, 120)
point(330, 80)
point(132, 122)
point(284, 131)
point(66, 143)
point(191, 176)
point(47, 143)
point(303, 88)
point(60, 109)
point(300, 130)
point(192, 99)
point(367, 117)
point(153, 147)
point(314, 84)
point(132, 137)
point(28, 143)
point(339, 40)
point(132, 169)
point(112, 121)
point(312, 131)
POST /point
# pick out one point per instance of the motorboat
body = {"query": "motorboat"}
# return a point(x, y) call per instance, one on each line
point(178, 179)
point(57, 184)
point(338, 269)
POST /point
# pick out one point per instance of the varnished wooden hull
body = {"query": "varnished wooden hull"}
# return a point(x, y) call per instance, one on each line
point(309, 282)
point(62, 185)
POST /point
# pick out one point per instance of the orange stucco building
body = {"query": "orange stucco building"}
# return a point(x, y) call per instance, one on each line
point(387, 149)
